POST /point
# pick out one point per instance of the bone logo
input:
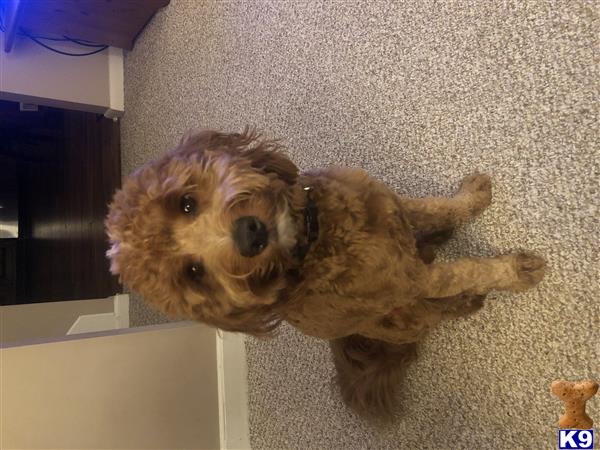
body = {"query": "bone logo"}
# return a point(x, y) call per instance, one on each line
point(575, 424)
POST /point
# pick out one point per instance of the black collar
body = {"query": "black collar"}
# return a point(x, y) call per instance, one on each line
point(311, 225)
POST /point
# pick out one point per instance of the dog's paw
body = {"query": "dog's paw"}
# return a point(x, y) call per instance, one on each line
point(529, 269)
point(477, 188)
point(476, 183)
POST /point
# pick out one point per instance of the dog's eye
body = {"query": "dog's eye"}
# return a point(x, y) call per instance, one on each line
point(188, 204)
point(195, 271)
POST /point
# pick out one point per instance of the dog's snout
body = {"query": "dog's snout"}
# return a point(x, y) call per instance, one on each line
point(250, 235)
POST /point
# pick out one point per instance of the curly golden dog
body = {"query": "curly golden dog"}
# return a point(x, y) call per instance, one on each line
point(224, 230)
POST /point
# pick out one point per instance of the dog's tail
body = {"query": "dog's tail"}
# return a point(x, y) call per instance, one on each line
point(369, 373)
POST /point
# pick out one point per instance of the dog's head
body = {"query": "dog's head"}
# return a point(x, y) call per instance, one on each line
point(207, 231)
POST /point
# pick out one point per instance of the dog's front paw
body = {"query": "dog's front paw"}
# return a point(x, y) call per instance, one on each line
point(529, 270)
point(477, 188)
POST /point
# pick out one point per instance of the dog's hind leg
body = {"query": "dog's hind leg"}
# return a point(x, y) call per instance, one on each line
point(478, 276)
point(433, 214)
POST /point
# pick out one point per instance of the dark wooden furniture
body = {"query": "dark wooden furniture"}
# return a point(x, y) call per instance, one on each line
point(68, 167)
point(111, 22)
point(8, 271)
point(9, 225)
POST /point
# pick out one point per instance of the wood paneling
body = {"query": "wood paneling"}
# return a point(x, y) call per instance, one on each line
point(68, 168)
point(8, 273)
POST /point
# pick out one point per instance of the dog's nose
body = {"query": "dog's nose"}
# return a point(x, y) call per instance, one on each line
point(250, 235)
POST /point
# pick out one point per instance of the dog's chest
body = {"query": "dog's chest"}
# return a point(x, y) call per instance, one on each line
point(363, 263)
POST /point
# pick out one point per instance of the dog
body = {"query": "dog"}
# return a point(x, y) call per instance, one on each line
point(224, 230)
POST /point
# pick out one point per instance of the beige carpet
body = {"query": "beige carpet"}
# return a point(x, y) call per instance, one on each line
point(420, 94)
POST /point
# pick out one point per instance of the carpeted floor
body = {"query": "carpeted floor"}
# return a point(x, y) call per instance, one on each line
point(420, 94)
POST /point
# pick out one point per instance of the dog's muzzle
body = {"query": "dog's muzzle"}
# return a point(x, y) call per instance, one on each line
point(250, 236)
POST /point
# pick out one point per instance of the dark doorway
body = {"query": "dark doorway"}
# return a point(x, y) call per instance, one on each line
point(58, 171)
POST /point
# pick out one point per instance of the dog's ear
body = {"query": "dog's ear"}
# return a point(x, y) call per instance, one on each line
point(269, 159)
point(260, 320)
point(195, 142)
point(264, 155)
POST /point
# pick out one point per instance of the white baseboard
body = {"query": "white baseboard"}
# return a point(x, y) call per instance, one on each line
point(115, 320)
point(233, 391)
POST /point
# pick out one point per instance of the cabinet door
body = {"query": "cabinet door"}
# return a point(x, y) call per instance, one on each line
point(8, 273)
point(9, 211)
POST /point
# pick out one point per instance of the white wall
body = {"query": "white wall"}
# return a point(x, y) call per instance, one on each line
point(31, 73)
point(152, 388)
point(21, 323)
